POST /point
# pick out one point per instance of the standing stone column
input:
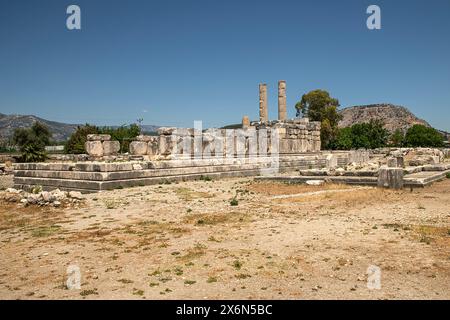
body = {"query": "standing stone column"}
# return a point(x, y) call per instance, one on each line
point(263, 114)
point(282, 100)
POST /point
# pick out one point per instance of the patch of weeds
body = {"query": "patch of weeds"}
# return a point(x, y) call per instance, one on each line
point(447, 175)
point(213, 239)
point(189, 264)
point(153, 284)
point(237, 264)
point(242, 276)
point(187, 194)
point(211, 280)
point(178, 271)
point(420, 207)
point(164, 280)
point(168, 290)
point(110, 204)
point(138, 292)
point(189, 282)
point(234, 202)
point(165, 181)
point(392, 225)
point(205, 178)
point(189, 210)
point(193, 253)
point(36, 189)
point(45, 231)
point(89, 292)
point(155, 273)
point(425, 239)
point(125, 281)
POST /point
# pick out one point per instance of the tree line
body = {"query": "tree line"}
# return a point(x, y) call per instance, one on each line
point(318, 105)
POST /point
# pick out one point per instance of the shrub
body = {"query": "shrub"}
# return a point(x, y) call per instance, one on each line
point(124, 134)
point(32, 153)
point(369, 135)
point(32, 142)
point(397, 139)
point(234, 202)
point(75, 144)
point(422, 136)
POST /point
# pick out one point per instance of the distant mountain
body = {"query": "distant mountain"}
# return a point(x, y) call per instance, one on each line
point(394, 117)
point(60, 131)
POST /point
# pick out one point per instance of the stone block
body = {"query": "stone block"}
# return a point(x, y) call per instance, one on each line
point(166, 145)
point(166, 130)
point(400, 162)
point(144, 138)
point(391, 178)
point(153, 147)
point(392, 162)
point(98, 137)
point(138, 148)
point(94, 148)
point(110, 147)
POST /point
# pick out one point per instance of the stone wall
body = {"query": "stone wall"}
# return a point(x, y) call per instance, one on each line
point(100, 145)
point(295, 136)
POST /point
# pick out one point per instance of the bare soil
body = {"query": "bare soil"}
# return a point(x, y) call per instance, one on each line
point(187, 241)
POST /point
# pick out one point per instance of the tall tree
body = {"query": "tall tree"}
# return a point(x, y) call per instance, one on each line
point(318, 105)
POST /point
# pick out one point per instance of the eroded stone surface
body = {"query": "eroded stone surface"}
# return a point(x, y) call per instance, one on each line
point(94, 148)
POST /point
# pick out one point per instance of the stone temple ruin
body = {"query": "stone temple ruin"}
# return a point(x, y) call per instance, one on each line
point(284, 149)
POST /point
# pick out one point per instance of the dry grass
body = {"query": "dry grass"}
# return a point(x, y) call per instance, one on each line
point(280, 188)
point(217, 218)
point(187, 194)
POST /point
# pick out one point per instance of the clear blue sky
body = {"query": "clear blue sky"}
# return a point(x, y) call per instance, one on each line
point(173, 62)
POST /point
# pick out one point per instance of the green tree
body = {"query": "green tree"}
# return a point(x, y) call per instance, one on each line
point(32, 142)
point(368, 135)
point(318, 105)
point(397, 138)
point(124, 134)
point(75, 144)
point(421, 136)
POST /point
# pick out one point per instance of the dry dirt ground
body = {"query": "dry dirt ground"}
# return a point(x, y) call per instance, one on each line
point(187, 241)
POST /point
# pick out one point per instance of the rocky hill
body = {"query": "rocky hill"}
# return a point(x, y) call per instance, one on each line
point(61, 131)
point(8, 123)
point(394, 117)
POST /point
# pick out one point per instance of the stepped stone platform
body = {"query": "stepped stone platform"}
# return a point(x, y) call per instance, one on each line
point(91, 176)
point(417, 179)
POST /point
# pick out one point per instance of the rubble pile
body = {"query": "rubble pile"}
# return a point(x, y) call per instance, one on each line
point(38, 197)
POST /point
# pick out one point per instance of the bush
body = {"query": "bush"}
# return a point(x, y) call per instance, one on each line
point(369, 135)
point(234, 202)
point(421, 136)
point(397, 139)
point(32, 153)
point(76, 142)
point(123, 134)
point(32, 142)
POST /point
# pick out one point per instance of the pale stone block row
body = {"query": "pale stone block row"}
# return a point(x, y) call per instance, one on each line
point(99, 145)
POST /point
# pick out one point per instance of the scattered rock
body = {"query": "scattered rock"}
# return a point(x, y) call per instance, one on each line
point(315, 182)
point(76, 195)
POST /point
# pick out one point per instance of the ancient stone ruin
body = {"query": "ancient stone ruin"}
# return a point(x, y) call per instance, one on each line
point(284, 149)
